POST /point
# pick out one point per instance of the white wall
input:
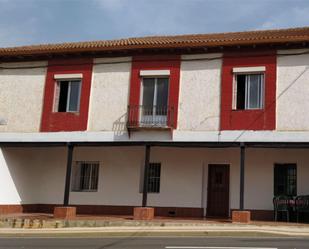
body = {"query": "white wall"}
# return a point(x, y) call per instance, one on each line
point(119, 175)
point(259, 174)
point(20, 176)
point(37, 175)
point(199, 101)
point(21, 96)
point(292, 84)
point(109, 94)
point(22, 90)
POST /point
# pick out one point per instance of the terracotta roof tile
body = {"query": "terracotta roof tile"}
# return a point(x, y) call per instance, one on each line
point(178, 41)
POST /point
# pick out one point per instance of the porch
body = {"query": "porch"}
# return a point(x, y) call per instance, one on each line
point(41, 177)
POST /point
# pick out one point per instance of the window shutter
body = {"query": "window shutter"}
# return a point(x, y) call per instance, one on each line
point(234, 101)
point(56, 96)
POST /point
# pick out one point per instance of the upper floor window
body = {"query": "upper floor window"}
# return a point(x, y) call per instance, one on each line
point(249, 91)
point(154, 100)
point(154, 92)
point(67, 95)
point(248, 88)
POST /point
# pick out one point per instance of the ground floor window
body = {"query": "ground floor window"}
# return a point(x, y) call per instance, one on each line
point(285, 179)
point(154, 177)
point(85, 176)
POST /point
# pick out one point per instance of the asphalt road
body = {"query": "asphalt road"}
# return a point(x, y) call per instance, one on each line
point(155, 243)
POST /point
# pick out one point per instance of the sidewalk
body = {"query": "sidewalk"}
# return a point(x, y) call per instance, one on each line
point(116, 226)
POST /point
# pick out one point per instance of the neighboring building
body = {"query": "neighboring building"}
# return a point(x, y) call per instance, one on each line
point(222, 118)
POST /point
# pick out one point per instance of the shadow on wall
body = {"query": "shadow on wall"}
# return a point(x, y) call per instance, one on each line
point(112, 91)
point(201, 64)
point(120, 126)
point(17, 162)
point(22, 70)
point(37, 173)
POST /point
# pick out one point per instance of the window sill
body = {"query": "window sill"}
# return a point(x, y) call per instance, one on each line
point(247, 110)
point(84, 191)
point(77, 112)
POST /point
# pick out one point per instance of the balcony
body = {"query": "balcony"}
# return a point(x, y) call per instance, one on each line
point(150, 117)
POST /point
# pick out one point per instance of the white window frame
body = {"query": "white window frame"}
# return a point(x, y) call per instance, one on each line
point(154, 73)
point(78, 163)
point(57, 94)
point(259, 70)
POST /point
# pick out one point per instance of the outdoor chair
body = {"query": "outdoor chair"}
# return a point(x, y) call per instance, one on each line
point(281, 204)
point(301, 205)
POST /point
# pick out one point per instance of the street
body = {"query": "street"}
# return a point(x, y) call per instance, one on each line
point(156, 243)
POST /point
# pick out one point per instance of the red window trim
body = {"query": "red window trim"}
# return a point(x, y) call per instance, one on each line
point(66, 121)
point(255, 119)
point(156, 62)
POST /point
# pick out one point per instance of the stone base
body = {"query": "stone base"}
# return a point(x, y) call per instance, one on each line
point(241, 216)
point(64, 213)
point(143, 213)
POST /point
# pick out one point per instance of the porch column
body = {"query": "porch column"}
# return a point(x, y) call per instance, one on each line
point(146, 178)
point(144, 212)
point(242, 177)
point(66, 212)
point(241, 216)
point(68, 175)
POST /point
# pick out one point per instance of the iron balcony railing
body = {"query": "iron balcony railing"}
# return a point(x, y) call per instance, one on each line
point(150, 116)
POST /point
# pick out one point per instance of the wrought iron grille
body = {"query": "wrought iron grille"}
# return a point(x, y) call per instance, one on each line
point(150, 116)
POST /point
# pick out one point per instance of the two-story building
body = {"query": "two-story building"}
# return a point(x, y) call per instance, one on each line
point(192, 125)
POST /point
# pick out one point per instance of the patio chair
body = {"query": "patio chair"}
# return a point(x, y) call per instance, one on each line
point(281, 204)
point(301, 205)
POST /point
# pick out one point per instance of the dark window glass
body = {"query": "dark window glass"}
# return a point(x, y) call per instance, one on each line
point(63, 96)
point(285, 179)
point(85, 176)
point(241, 91)
point(148, 95)
point(162, 96)
point(250, 92)
point(154, 177)
point(69, 95)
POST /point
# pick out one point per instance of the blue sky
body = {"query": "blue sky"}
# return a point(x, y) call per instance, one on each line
point(24, 22)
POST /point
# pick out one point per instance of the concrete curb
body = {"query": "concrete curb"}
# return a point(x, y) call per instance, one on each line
point(214, 230)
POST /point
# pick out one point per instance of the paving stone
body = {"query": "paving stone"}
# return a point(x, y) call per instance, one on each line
point(36, 224)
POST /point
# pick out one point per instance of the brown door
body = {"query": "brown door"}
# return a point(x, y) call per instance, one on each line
point(218, 190)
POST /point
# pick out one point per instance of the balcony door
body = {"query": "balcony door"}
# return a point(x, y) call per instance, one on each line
point(154, 101)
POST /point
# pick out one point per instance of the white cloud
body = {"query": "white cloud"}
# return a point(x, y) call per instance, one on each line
point(291, 17)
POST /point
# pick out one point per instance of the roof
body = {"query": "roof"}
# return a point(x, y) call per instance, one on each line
point(279, 36)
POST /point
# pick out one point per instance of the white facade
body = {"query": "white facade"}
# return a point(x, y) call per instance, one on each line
point(37, 175)
point(292, 90)
point(21, 96)
point(22, 90)
point(199, 102)
point(109, 95)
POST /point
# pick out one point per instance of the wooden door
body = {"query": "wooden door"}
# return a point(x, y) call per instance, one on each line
point(218, 190)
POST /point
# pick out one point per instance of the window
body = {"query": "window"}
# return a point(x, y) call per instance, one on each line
point(67, 95)
point(249, 91)
point(154, 100)
point(85, 176)
point(285, 179)
point(154, 175)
